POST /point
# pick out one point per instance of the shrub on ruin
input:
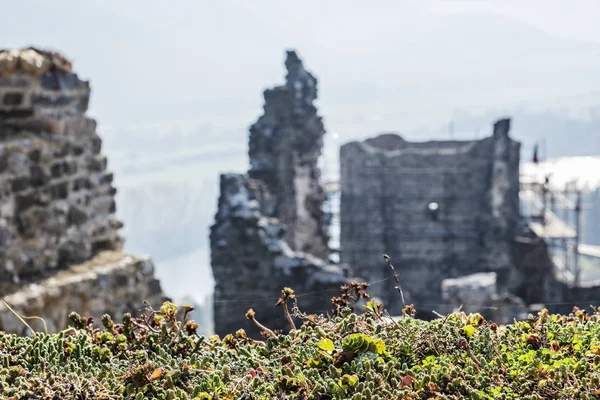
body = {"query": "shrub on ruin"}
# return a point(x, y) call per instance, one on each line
point(343, 355)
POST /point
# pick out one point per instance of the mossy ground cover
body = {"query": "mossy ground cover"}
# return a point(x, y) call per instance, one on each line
point(341, 356)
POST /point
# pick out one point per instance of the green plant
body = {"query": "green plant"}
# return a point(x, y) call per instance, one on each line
point(346, 356)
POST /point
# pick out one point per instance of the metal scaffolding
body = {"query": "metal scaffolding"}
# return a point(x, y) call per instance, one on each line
point(555, 216)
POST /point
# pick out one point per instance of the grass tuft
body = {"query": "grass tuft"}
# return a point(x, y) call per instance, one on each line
point(343, 356)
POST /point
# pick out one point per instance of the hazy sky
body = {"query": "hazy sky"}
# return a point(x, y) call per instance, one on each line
point(396, 64)
point(559, 18)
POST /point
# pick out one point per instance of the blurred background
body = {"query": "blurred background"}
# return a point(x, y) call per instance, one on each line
point(175, 86)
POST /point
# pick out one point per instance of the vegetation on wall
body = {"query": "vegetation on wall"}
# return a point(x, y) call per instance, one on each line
point(344, 355)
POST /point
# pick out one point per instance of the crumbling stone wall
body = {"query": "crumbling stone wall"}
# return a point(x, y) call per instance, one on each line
point(252, 262)
point(478, 293)
point(56, 196)
point(110, 283)
point(270, 230)
point(440, 209)
point(536, 280)
point(284, 148)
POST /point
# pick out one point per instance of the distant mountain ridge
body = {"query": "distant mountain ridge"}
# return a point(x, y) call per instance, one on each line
point(415, 59)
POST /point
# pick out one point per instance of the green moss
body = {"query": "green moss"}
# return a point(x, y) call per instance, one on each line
point(348, 356)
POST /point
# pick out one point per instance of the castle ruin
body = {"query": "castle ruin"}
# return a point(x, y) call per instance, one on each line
point(284, 148)
point(270, 230)
point(449, 213)
point(60, 248)
point(440, 209)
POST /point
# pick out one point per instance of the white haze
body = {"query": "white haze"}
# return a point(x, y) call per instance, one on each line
point(176, 85)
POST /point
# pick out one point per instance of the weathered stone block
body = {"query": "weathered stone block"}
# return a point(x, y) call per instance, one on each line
point(12, 99)
point(57, 170)
point(77, 215)
point(96, 144)
point(3, 162)
point(63, 150)
point(77, 150)
point(478, 293)
point(54, 298)
point(70, 167)
point(97, 164)
point(59, 190)
point(38, 177)
point(5, 236)
point(82, 183)
point(35, 155)
point(105, 178)
point(472, 290)
point(53, 214)
point(19, 183)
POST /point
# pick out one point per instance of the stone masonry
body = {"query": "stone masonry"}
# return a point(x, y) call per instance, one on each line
point(270, 230)
point(111, 283)
point(537, 281)
point(252, 262)
point(478, 293)
point(284, 148)
point(440, 209)
point(56, 196)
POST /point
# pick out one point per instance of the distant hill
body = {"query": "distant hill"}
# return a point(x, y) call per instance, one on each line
point(408, 63)
point(558, 132)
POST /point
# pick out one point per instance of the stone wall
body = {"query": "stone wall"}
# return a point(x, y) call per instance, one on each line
point(478, 293)
point(111, 282)
point(252, 262)
point(440, 209)
point(57, 206)
point(537, 281)
point(270, 230)
point(284, 147)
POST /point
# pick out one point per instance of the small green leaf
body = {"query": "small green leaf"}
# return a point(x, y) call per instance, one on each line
point(352, 380)
point(429, 360)
point(469, 330)
point(326, 344)
point(348, 381)
point(314, 363)
point(377, 346)
point(371, 306)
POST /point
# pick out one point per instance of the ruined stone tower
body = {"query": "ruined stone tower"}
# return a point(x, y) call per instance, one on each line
point(285, 145)
point(440, 209)
point(270, 230)
point(57, 201)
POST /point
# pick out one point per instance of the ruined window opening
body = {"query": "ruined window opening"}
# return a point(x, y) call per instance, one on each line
point(433, 209)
